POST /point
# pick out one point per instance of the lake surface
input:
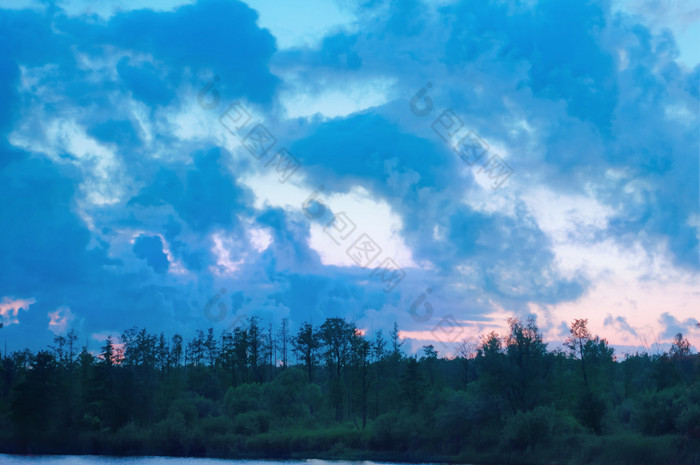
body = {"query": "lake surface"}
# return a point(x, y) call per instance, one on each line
point(103, 460)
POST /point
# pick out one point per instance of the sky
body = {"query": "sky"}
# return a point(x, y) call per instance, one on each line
point(445, 165)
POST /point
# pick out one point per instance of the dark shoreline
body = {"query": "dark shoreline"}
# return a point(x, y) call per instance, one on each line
point(375, 458)
point(588, 449)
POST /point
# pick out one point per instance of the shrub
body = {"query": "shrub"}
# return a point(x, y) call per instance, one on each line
point(688, 421)
point(538, 426)
point(656, 412)
point(244, 398)
point(250, 423)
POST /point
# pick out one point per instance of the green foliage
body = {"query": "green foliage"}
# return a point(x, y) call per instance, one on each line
point(243, 398)
point(538, 426)
point(187, 409)
point(252, 422)
point(291, 395)
point(657, 412)
point(590, 410)
point(631, 450)
point(688, 421)
point(398, 430)
point(341, 394)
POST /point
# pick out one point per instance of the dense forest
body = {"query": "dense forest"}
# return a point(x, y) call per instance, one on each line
point(333, 391)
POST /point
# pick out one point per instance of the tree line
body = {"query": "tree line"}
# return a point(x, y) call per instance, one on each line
point(334, 391)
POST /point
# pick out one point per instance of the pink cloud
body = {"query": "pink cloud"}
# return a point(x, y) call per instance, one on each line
point(9, 309)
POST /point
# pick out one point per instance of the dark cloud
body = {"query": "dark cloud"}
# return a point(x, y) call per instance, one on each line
point(217, 35)
point(145, 83)
point(620, 323)
point(150, 248)
point(48, 256)
point(205, 195)
point(585, 101)
point(673, 326)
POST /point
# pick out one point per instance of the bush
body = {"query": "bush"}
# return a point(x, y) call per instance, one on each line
point(452, 421)
point(656, 412)
point(628, 450)
point(538, 426)
point(250, 423)
point(324, 440)
point(688, 421)
point(244, 398)
point(590, 411)
point(171, 434)
point(290, 395)
point(188, 410)
point(130, 440)
point(211, 426)
point(399, 431)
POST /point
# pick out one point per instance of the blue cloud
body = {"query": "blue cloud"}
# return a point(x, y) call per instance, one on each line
point(369, 151)
point(47, 255)
point(620, 323)
point(9, 75)
point(205, 196)
point(673, 326)
point(150, 248)
point(121, 133)
point(585, 101)
point(221, 36)
point(145, 83)
point(43, 241)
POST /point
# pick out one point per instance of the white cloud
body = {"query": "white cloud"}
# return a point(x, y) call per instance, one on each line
point(631, 280)
point(60, 320)
point(65, 136)
point(682, 17)
point(369, 216)
point(335, 99)
point(293, 25)
point(259, 238)
point(227, 252)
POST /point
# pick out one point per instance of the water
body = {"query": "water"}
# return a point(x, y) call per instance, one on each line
point(102, 460)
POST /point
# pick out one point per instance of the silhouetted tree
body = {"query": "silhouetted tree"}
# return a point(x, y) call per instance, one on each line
point(284, 341)
point(306, 345)
point(680, 348)
point(576, 342)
